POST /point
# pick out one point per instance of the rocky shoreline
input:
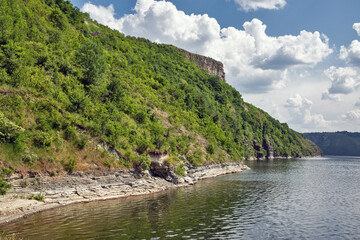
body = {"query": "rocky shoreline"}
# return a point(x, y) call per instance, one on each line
point(85, 187)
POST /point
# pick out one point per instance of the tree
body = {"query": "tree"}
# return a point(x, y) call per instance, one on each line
point(91, 59)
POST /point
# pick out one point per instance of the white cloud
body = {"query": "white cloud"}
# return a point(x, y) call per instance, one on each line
point(357, 104)
point(353, 115)
point(351, 54)
point(254, 61)
point(332, 97)
point(300, 110)
point(343, 80)
point(104, 15)
point(248, 5)
point(298, 102)
point(356, 27)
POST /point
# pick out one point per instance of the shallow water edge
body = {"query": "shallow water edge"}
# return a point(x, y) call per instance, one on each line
point(80, 187)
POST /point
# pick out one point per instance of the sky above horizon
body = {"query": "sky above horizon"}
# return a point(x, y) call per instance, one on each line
point(297, 60)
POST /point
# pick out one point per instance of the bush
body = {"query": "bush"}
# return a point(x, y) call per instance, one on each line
point(82, 141)
point(4, 186)
point(9, 131)
point(42, 139)
point(143, 162)
point(70, 165)
point(70, 133)
point(143, 145)
point(91, 58)
point(30, 158)
point(211, 148)
point(180, 170)
point(38, 197)
point(196, 158)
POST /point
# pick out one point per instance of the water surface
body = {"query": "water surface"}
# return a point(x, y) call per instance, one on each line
point(282, 199)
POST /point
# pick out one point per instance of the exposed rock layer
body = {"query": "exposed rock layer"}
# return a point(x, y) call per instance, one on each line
point(210, 65)
point(80, 187)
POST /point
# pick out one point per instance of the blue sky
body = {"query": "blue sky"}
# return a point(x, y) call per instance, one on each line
point(299, 60)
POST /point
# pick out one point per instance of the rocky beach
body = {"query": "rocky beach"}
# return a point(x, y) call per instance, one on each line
point(53, 192)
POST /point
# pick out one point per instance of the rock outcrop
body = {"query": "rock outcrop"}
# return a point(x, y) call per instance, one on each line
point(269, 148)
point(210, 65)
point(84, 187)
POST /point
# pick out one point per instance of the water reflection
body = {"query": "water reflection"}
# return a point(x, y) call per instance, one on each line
point(303, 199)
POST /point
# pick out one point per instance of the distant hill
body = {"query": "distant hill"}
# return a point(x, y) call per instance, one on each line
point(337, 143)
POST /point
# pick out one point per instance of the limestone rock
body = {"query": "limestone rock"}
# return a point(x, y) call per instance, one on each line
point(210, 65)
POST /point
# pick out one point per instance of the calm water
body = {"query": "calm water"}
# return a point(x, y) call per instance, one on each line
point(282, 199)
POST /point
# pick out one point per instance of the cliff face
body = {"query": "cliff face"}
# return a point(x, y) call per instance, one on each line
point(210, 65)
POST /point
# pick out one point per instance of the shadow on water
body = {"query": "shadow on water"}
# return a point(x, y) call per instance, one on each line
point(275, 199)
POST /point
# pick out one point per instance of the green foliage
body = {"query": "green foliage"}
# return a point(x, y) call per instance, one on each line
point(67, 81)
point(9, 131)
point(180, 170)
point(196, 158)
point(211, 148)
point(143, 162)
point(70, 165)
point(4, 186)
point(42, 139)
point(91, 60)
point(38, 197)
point(30, 158)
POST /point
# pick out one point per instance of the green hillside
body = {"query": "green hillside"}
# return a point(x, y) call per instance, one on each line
point(337, 143)
point(74, 94)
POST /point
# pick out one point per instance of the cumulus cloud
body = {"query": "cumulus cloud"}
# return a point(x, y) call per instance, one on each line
point(253, 61)
point(248, 5)
point(343, 80)
point(332, 97)
point(104, 15)
point(353, 115)
point(300, 110)
point(357, 104)
point(356, 27)
point(351, 54)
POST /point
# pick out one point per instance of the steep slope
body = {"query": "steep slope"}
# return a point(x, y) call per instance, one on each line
point(337, 143)
point(78, 96)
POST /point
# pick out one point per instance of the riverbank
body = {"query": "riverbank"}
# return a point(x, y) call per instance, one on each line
point(85, 187)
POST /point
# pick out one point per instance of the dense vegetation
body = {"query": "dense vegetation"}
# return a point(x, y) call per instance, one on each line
point(73, 91)
point(337, 143)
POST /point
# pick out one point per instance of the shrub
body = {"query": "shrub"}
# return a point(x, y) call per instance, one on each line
point(70, 165)
point(70, 133)
point(38, 197)
point(143, 145)
point(4, 186)
point(143, 162)
point(91, 58)
point(141, 117)
point(196, 158)
point(211, 148)
point(42, 139)
point(30, 158)
point(9, 131)
point(82, 141)
point(180, 170)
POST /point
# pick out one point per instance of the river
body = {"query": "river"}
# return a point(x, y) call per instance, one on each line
point(283, 199)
